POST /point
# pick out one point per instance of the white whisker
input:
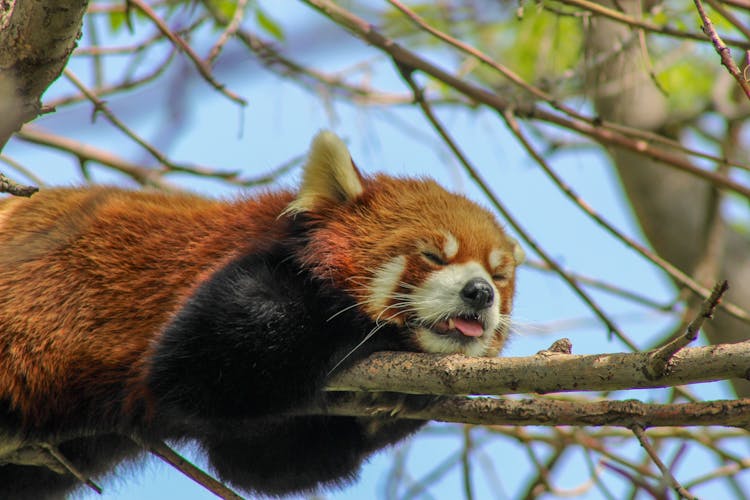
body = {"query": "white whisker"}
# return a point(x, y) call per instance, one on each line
point(377, 327)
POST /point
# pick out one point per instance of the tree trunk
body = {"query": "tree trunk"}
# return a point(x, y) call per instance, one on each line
point(36, 40)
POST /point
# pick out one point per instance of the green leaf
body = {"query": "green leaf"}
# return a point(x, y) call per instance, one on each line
point(226, 7)
point(116, 21)
point(269, 24)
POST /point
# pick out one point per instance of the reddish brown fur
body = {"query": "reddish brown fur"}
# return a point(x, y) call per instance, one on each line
point(95, 256)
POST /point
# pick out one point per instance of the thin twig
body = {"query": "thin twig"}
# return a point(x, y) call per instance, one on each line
point(100, 106)
point(606, 287)
point(200, 65)
point(665, 265)
point(466, 452)
point(646, 444)
point(55, 453)
point(551, 100)
point(620, 17)
point(729, 16)
point(21, 169)
point(473, 52)
point(659, 359)
point(86, 152)
point(635, 480)
point(592, 127)
point(125, 83)
point(544, 472)
point(722, 49)
point(12, 187)
point(161, 450)
point(310, 78)
point(229, 32)
point(740, 4)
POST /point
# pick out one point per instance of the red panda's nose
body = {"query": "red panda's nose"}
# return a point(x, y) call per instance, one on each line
point(478, 293)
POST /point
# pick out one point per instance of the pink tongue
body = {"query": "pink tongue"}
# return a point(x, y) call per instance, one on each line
point(468, 328)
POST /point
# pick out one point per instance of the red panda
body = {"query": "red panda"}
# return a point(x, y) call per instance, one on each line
point(170, 316)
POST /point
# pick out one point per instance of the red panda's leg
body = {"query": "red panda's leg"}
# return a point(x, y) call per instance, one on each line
point(301, 453)
point(289, 455)
point(257, 339)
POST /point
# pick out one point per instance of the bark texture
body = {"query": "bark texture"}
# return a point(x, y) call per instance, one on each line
point(413, 373)
point(36, 40)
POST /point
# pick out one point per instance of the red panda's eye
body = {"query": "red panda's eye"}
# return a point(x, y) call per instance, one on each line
point(499, 278)
point(434, 258)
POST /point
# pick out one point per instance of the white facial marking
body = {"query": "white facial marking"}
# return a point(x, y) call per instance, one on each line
point(439, 298)
point(499, 265)
point(496, 258)
point(450, 247)
point(384, 283)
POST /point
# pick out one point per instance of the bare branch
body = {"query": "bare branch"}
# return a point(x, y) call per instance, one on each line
point(86, 152)
point(548, 412)
point(52, 450)
point(203, 68)
point(161, 450)
point(722, 49)
point(9, 186)
point(644, 25)
point(643, 439)
point(593, 127)
point(661, 357)
point(453, 375)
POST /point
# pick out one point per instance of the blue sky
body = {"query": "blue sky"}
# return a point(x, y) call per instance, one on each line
point(278, 123)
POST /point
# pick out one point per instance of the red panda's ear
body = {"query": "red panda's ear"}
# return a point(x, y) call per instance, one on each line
point(329, 175)
point(519, 256)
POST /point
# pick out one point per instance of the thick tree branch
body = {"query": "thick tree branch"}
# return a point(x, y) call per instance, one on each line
point(547, 412)
point(36, 39)
point(543, 373)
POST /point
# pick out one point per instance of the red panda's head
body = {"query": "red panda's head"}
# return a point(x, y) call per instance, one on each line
point(409, 252)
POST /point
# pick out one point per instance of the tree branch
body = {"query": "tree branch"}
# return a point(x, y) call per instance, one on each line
point(722, 49)
point(9, 186)
point(661, 357)
point(164, 452)
point(415, 373)
point(646, 444)
point(540, 411)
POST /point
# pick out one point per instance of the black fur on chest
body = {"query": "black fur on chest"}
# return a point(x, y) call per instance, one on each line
point(259, 338)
